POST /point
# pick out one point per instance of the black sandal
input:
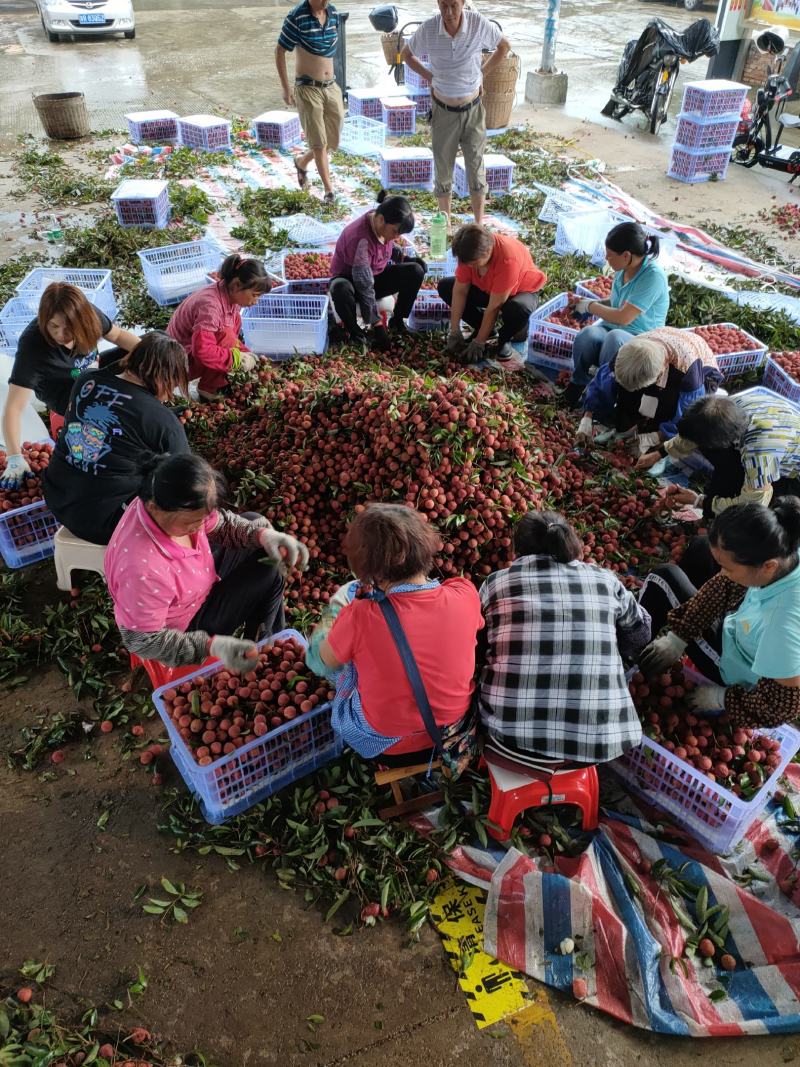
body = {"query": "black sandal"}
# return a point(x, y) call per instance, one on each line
point(302, 176)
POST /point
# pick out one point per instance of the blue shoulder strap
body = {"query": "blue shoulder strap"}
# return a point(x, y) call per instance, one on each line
point(412, 671)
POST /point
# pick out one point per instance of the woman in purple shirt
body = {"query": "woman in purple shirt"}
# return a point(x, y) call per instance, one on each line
point(367, 266)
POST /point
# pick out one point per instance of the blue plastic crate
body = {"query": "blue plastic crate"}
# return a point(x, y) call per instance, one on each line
point(26, 534)
point(15, 315)
point(365, 102)
point(415, 81)
point(234, 783)
point(210, 133)
point(362, 136)
point(406, 168)
point(399, 115)
point(713, 98)
point(732, 364)
point(429, 312)
point(303, 286)
point(499, 174)
point(174, 271)
point(96, 284)
point(282, 325)
point(324, 268)
point(779, 381)
point(277, 129)
point(422, 102)
point(158, 126)
point(142, 202)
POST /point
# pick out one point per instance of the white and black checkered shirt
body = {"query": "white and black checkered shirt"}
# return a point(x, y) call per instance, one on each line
point(553, 680)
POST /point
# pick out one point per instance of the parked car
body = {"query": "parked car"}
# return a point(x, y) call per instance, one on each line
point(61, 18)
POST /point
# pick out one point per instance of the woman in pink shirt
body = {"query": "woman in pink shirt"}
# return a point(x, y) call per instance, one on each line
point(184, 573)
point(391, 549)
point(208, 323)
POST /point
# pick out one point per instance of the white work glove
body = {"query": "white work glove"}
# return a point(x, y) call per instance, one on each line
point(646, 441)
point(474, 352)
point(662, 653)
point(455, 342)
point(581, 307)
point(584, 435)
point(272, 541)
point(707, 700)
point(237, 655)
point(247, 361)
point(16, 469)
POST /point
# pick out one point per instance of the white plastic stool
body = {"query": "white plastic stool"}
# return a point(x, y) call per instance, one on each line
point(73, 554)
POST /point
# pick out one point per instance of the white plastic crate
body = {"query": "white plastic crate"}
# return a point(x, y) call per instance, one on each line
point(558, 202)
point(696, 132)
point(15, 315)
point(302, 229)
point(96, 284)
point(283, 325)
point(209, 132)
point(693, 165)
point(158, 126)
point(277, 129)
point(713, 97)
point(429, 312)
point(781, 382)
point(362, 136)
point(322, 259)
point(441, 268)
point(406, 168)
point(422, 102)
point(551, 338)
point(584, 233)
point(175, 271)
point(733, 363)
point(582, 289)
point(499, 174)
point(365, 102)
point(142, 202)
point(416, 81)
point(303, 286)
point(399, 115)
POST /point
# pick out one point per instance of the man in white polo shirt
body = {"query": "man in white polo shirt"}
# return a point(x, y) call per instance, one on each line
point(454, 42)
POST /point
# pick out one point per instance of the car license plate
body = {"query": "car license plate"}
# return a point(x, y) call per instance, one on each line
point(92, 19)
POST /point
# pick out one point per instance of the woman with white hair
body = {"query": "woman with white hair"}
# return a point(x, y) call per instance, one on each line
point(648, 385)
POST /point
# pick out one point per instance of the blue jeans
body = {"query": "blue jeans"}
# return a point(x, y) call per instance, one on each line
point(593, 346)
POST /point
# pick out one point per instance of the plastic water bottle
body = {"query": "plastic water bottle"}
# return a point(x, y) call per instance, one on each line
point(439, 235)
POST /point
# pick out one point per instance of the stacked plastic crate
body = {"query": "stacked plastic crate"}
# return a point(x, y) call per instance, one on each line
point(707, 125)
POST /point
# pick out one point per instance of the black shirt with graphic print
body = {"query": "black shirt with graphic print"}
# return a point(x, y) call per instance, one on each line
point(111, 427)
point(50, 369)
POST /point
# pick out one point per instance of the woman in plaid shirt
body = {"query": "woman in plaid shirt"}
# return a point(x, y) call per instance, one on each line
point(553, 682)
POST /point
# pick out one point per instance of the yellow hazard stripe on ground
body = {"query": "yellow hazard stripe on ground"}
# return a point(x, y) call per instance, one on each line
point(493, 989)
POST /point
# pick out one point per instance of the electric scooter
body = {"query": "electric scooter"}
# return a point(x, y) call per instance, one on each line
point(754, 145)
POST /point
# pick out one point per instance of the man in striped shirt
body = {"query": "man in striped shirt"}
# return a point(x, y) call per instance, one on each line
point(312, 28)
point(453, 43)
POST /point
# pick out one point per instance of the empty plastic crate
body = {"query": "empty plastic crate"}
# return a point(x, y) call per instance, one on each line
point(209, 132)
point(175, 271)
point(422, 102)
point(781, 382)
point(320, 261)
point(416, 81)
point(142, 202)
point(234, 783)
point(713, 97)
point(693, 165)
point(158, 126)
point(499, 174)
point(716, 817)
point(429, 312)
point(26, 534)
point(584, 233)
point(694, 132)
point(96, 284)
point(277, 129)
point(15, 315)
point(365, 102)
point(362, 136)
point(281, 325)
point(406, 168)
point(399, 115)
point(733, 363)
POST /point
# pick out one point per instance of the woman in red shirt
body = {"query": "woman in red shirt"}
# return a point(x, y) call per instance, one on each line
point(391, 548)
point(208, 323)
point(496, 278)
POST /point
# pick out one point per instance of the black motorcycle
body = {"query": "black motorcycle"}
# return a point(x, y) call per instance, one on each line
point(754, 145)
point(649, 68)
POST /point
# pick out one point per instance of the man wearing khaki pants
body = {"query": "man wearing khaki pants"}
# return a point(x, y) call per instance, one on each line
point(313, 29)
point(454, 41)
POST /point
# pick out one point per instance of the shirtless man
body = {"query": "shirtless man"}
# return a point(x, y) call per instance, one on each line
point(313, 29)
point(454, 41)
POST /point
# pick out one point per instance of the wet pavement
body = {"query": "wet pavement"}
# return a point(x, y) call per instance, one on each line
point(192, 54)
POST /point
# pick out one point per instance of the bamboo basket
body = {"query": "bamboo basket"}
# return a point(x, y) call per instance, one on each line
point(389, 43)
point(63, 115)
point(499, 89)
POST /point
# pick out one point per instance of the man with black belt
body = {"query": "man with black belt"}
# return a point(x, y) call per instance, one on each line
point(454, 42)
point(313, 29)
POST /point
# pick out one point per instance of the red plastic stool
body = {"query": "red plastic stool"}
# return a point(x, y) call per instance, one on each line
point(160, 674)
point(516, 787)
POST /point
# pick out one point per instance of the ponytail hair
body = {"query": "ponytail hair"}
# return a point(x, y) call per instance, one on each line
point(249, 273)
point(184, 482)
point(395, 210)
point(547, 533)
point(753, 533)
point(630, 237)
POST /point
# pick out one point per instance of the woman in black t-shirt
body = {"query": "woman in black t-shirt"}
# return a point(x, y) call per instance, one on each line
point(51, 353)
point(115, 420)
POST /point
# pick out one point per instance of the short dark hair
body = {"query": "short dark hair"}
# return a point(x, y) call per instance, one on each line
point(249, 273)
point(713, 422)
point(547, 533)
point(395, 210)
point(390, 543)
point(630, 237)
point(182, 483)
point(472, 242)
point(754, 533)
point(160, 362)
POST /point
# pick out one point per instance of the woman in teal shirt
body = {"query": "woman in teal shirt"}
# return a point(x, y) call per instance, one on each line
point(639, 302)
point(749, 613)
